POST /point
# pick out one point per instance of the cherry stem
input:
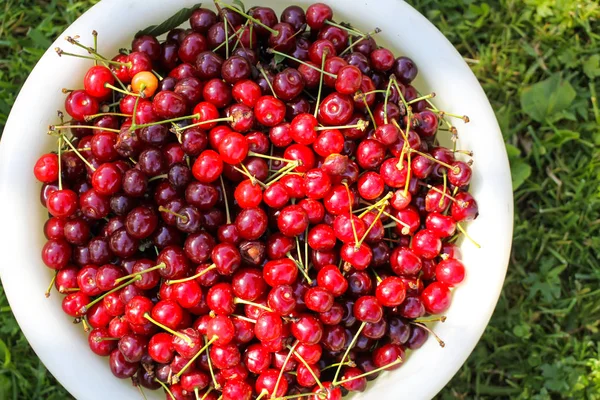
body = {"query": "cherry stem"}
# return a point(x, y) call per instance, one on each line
point(212, 373)
point(166, 328)
point(430, 157)
point(298, 252)
point(321, 70)
point(318, 102)
point(361, 38)
point(445, 187)
point(252, 321)
point(402, 99)
point(350, 206)
point(444, 113)
point(443, 193)
point(51, 285)
point(116, 114)
point(385, 103)
point(210, 389)
point(166, 210)
point(409, 173)
point(303, 361)
point(159, 266)
point(157, 177)
point(85, 308)
point(383, 368)
point(90, 166)
point(298, 396)
point(439, 340)
point(166, 389)
point(237, 300)
point(61, 53)
point(287, 359)
point(306, 252)
point(59, 163)
point(263, 393)
point(364, 99)
point(95, 36)
point(253, 154)
point(425, 97)
point(225, 200)
point(345, 28)
point(352, 343)
point(186, 366)
point(406, 227)
point(191, 278)
point(226, 27)
point(102, 339)
point(381, 210)
point(167, 121)
point(366, 210)
point(441, 318)
point(86, 48)
point(183, 128)
point(257, 22)
point(288, 169)
point(247, 174)
point(464, 232)
point(99, 128)
point(264, 74)
point(223, 44)
point(139, 388)
point(299, 267)
point(86, 325)
point(348, 363)
point(239, 36)
point(361, 125)
point(377, 276)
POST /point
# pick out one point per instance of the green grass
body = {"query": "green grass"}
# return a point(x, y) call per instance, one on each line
point(539, 63)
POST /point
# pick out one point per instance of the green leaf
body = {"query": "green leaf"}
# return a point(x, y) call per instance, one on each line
point(560, 137)
point(520, 170)
point(544, 99)
point(39, 39)
point(4, 349)
point(278, 59)
point(171, 23)
point(591, 66)
point(240, 5)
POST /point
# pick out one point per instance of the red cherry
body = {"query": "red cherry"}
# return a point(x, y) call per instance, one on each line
point(79, 103)
point(208, 166)
point(426, 244)
point(46, 168)
point(233, 148)
point(269, 111)
point(450, 272)
point(301, 153)
point(303, 128)
point(62, 203)
point(436, 298)
point(96, 81)
point(317, 14)
point(336, 109)
point(292, 220)
point(391, 291)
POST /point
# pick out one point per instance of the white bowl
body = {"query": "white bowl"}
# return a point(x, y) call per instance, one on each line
point(63, 347)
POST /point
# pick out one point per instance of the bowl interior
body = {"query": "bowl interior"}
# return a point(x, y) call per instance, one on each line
point(63, 347)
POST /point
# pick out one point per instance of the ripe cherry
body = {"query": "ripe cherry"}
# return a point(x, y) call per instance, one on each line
point(436, 298)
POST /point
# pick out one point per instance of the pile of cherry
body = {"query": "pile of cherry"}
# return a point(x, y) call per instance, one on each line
point(254, 208)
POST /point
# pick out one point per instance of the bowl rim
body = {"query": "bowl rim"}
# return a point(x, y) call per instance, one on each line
point(45, 326)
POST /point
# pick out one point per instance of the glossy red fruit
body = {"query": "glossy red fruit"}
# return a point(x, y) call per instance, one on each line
point(436, 298)
point(450, 272)
point(96, 81)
